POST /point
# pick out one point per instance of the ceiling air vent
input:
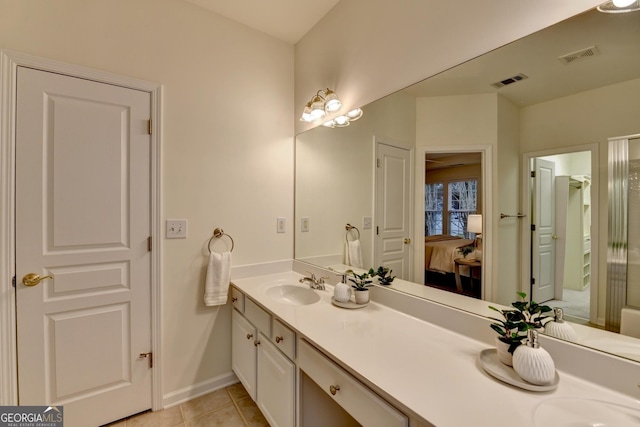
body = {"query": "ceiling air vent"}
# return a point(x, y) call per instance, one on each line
point(579, 55)
point(508, 81)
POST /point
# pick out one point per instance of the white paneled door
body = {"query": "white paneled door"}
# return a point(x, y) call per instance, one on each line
point(83, 154)
point(393, 210)
point(543, 236)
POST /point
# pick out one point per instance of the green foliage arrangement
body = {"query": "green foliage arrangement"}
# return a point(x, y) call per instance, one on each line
point(384, 275)
point(360, 281)
point(466, 250)
point(514, 323)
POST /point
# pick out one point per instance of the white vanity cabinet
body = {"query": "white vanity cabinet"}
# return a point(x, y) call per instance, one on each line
point(363, 405)
point(276, 385)
point(257, 360)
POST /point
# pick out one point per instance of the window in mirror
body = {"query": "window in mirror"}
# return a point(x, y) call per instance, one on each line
point(461, 197)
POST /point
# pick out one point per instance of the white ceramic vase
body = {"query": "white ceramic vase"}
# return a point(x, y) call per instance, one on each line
point(362, 297)
point(342, 292)
point(533, 363)
point(559, 328)
point(503, 352)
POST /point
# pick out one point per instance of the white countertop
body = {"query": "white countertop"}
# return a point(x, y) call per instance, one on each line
point(432, 371)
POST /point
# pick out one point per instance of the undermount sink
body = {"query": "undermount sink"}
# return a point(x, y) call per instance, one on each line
point(582, 412)
point(293, 295)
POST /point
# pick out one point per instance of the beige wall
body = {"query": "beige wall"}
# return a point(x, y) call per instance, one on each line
point(366, 49)
point(586, 118)
point(223, 167)
point(490, 120)
point(335, 175)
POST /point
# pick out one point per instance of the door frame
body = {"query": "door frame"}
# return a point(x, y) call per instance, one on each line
point(489, 283)
point(526, 221)
point(9, 63)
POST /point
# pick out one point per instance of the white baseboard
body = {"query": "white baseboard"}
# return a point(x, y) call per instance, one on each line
point(196, 390)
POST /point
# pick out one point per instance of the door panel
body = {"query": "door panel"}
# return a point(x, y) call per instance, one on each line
point(393, 206)
point(83, 217)
point(543, 239)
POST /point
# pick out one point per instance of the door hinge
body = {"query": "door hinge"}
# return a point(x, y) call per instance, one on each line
point(533, 227)
point(533, 174)
point(150, 129)
point(533, 280)
point(377, 163)
point(149, 243)
point(148, 356)
point(13, 281)
point(377, 230)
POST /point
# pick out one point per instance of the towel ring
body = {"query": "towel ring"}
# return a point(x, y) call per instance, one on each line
point(217, 233)
point(350, 227)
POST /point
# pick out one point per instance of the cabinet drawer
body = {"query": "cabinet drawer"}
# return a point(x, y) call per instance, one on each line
point(284, 339)
point(260, 318)
point(237, 299)
point(361, 403)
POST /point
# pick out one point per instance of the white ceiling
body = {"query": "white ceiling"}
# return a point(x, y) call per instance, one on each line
point(616, 36)
point(287, 20)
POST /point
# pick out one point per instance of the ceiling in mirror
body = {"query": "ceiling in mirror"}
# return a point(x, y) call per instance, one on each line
point(335, 168)
point(588, 51)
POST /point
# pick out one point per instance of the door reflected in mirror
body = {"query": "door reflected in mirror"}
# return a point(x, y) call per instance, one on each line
point(560, 188)
point(452, 243)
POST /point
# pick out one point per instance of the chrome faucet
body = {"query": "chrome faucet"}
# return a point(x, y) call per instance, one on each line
point(314, 283)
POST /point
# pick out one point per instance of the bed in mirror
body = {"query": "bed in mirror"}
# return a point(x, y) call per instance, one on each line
point(466, 142)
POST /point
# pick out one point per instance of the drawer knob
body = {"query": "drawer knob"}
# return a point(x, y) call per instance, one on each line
point(334, 389)
point(249, 336)
point(279, 339)
point(234, 299)
point(256, 343)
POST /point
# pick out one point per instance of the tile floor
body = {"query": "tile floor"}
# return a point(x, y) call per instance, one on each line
point(229, 407)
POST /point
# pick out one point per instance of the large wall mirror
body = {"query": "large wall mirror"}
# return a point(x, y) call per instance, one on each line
point(516, 139)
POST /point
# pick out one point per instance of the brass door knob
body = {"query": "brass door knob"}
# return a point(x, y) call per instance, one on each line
point(279, 339)
point(249, 336)
point(554, 237)
point(334, 389)
point(33, 279)
point(407, 241)
point(256, 343)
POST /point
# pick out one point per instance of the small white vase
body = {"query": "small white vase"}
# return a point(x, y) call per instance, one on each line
point(533, 363)
point(342, 292)
point(559, 328)
point(362, 297)
point(503, 352)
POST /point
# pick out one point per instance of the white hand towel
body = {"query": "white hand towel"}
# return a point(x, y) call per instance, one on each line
point(355, 253)
point(216, 285)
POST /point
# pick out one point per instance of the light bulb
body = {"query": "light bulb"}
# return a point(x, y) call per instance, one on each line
point(332, 103)
point(317, 109)
point(306, 113)
point(623, 3)
point(354, 114)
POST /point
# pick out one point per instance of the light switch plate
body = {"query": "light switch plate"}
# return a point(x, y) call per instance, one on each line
point(366, 222)
point(176, 229)
point(304, 224)
point(281, 225)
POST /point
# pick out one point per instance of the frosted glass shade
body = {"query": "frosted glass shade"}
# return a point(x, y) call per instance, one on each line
point(474, 224)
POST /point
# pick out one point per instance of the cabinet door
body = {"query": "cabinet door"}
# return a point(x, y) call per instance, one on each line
point(243, 352)
point(276, 385)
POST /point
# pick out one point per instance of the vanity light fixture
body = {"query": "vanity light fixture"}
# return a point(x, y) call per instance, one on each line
point(619, 6)
point(345, 119)
point(323, 102)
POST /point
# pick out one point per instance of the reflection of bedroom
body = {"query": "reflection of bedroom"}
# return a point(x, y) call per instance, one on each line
point(452, 193)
